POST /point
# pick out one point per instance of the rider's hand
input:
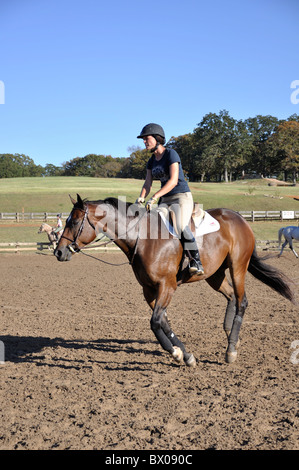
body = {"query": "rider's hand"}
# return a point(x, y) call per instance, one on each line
point(151, 203)
point(140, 200)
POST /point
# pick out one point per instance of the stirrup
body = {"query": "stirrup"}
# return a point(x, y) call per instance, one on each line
point(195, 267)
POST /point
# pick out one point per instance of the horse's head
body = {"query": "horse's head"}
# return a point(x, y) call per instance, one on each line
point(76, 233)
point(45, 228)
point(114, 217)
point(42, 228)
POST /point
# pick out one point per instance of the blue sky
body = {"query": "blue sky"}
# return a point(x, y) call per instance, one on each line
point(84, 77)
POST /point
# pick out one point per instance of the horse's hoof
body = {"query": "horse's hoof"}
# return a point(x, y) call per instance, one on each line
point(177, 354)
point(231, 356)
point(191, 362)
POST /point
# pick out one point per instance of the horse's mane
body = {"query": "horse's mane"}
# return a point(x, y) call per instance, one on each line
point(112, 201)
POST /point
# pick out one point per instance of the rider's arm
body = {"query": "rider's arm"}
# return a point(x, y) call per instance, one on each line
point(146, 188)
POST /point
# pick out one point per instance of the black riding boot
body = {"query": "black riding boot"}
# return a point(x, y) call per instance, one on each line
point(191, 250)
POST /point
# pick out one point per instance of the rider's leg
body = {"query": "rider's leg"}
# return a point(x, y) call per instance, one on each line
point(182, 206)
point(187, 239)
point(191, 250)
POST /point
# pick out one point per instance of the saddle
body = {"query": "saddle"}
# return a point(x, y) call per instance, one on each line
point(201, 222)
point(197, 216)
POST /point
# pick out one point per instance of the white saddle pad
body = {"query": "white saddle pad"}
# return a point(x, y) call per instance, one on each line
point(205, 225)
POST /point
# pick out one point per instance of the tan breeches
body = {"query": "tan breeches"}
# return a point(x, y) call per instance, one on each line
point(182, 206)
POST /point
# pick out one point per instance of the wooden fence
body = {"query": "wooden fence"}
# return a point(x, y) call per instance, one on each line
point(248, 215)
point(16, 247)
point(22, 216)
point(269, 215)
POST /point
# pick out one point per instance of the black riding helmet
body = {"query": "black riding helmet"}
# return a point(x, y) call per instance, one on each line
point(152, 129)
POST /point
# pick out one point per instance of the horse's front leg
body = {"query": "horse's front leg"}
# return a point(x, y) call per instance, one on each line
point(189, 359)
point(161, 328)
point(157, 323)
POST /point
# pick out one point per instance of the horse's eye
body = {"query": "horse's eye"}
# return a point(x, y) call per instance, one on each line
point(72, 222)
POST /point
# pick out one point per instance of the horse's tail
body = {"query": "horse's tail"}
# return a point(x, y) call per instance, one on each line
point(270, 276)
point(280, 235)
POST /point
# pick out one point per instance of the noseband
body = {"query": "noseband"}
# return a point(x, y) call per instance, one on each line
point(73, 246)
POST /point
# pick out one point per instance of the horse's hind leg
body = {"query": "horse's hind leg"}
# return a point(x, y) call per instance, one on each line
point(282, 248)
point(241, 305)
point(220, 283)
point(236, 304)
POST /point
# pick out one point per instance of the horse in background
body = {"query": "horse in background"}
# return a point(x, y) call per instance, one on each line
point(53, 239)
point(290, 233)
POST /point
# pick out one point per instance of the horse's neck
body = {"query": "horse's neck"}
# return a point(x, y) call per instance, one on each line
point(125, 233)
point(119, 228)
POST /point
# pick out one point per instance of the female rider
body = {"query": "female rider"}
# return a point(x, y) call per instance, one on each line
point(165, 165)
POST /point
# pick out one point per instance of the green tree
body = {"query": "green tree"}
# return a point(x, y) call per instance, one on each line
point(137, 162)
point(186, 148)
point(90, 165)
point(52, 170)
point(221, 140)
point(18, 165)
point(261, 158)
point(8, 167)
point(285, 143)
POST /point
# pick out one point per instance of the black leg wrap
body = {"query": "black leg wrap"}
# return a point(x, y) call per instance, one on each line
point(175, 341)
point(234, 336)
point(229, 315)
point(173, 338)
point(161, 336)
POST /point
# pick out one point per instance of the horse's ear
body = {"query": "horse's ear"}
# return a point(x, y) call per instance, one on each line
point(72, 199)
point(79, 201)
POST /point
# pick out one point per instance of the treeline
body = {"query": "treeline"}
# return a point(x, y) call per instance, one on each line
point(220, 148)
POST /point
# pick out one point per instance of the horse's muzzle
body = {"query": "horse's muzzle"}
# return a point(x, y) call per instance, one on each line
point(63, 253)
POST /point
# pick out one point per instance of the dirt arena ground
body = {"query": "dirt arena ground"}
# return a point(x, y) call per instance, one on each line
point(83, 370)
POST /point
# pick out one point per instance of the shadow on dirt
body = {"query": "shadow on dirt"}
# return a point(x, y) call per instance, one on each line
point(21, 349)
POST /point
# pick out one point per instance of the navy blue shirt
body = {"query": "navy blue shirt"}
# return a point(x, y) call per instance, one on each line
point(160, 171)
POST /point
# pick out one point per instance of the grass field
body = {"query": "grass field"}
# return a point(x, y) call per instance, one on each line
point(51, 195)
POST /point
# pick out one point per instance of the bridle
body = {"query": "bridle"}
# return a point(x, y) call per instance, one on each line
point(73, 246)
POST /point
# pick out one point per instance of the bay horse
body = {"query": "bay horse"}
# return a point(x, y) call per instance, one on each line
point(158, 263)
point(51, 235)
point(290, 233)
